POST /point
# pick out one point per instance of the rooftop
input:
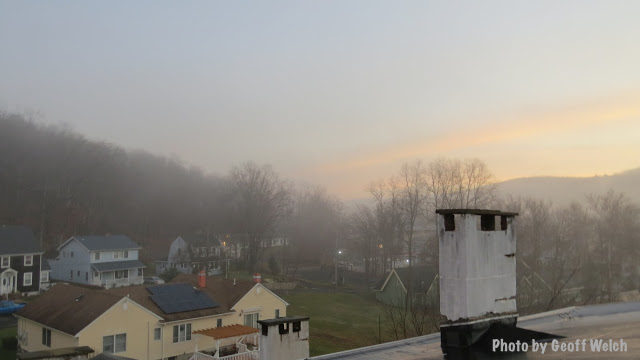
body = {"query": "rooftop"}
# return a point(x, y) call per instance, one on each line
point(475, 212)
point(106, 242)
point(17, 240)
point(282, 320)
point(613, 321)
point(71, 307)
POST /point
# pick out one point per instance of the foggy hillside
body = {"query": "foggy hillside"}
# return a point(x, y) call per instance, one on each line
point(563, 190)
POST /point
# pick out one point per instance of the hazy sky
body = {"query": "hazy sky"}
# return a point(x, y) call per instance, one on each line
point(336, 93)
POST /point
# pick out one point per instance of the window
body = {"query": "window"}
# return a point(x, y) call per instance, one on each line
point(114, 343)
point(44, 276)
point(283, 328)
point(116, 254)
point(96, 255)
point(156, 334)
point(277, 313)
point(71, 274)
point(125, 254)
point(296, 326)
point(6, 261)
point(78, 273)
point(72, 254)
point(86, 276)
point(251, 320)
point(46, 337)
point(122, 274)
point(28, 260)
point(28, 279)
point(219, 323)
point(140, 272)
point(181, 333)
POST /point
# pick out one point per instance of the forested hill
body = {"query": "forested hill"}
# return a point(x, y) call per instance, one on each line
point(564, 190)
point(60, 184)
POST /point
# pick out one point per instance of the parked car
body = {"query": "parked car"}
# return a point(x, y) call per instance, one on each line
point(153, 280)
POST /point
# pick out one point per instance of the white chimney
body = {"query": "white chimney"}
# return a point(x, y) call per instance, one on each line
point(477, 264)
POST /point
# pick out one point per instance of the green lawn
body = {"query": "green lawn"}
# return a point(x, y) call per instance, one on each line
point(7, 354)
point(339, 321)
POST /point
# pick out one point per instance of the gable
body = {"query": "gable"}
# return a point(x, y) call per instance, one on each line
point(259, 297)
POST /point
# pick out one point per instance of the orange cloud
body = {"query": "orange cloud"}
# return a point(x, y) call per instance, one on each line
point(513, 127)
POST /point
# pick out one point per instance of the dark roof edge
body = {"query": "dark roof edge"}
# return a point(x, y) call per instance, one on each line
point(475, 212)
point(283, 320)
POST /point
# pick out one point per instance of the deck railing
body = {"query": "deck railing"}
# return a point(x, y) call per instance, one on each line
point(249, 355)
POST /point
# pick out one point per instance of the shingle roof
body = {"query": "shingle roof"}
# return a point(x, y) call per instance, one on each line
point(69, 308)
point(57, 308)
point(219, 289)
point(118, 265)
point(107, 242)
point(228, 331)
point(17, 240)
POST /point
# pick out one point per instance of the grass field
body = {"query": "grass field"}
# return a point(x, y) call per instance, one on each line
point(7, 354)
point(339, 321)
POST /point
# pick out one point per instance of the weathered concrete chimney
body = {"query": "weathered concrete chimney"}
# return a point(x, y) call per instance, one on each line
point(477, 272)
point(285, 338)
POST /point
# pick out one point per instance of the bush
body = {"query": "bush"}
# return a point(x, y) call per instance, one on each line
point(169, 274)
point(10, 343)
point(273, 266)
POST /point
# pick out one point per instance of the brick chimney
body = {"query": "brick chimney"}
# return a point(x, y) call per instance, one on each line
point(202, 279)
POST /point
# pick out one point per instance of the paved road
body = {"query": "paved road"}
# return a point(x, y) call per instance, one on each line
point(7, 321)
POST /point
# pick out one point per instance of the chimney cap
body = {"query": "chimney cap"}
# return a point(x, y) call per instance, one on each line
point(475, 212)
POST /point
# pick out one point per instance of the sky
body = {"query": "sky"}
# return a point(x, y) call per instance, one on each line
point(336, 93)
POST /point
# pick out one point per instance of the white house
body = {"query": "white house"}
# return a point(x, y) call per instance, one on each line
point(189, 254)
point(109, 260)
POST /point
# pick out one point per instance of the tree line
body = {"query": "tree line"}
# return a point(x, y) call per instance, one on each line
point(61, 184)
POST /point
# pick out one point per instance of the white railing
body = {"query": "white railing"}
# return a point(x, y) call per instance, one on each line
point(249, 355)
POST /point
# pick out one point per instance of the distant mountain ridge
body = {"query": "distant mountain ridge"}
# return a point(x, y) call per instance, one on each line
point(564, 190)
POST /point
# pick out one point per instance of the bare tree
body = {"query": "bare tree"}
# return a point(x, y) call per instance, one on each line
point(262, 201)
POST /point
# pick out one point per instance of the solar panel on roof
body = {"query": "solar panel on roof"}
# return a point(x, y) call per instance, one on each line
point(173, 298)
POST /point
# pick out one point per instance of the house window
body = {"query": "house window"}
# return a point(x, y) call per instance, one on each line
point(181, 333)
point(6, 261)
point(117, 254)
point(28, 260)
point(114, 343)
point(122, 274)
point(44, 276)
point(86, 276)
point(156, 334)
point(251, 320)
point(28, 279)
point(78, 273)
point(125, 254)
point(140, 272)
point(71, 274)
point(277, 313)
point(72, 254)
point(219, 323)
point(46, 337)
point(96, 256)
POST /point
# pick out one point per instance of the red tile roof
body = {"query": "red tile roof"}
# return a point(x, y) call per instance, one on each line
point(228, 331)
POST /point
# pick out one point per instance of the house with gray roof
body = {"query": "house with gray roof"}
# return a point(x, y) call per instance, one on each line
point(107, 261)
point(20, 261)
point(189, 254)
